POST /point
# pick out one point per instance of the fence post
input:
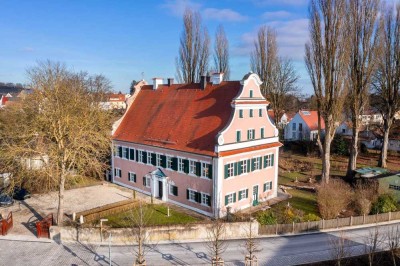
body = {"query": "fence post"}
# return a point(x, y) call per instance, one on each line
point(351, 220)
point(276, 229)
point(376, 218)
point(323, 223)
point(293, 228)
point(390, 216)
point(337, 222)
point(308, 225)
point(364, 218)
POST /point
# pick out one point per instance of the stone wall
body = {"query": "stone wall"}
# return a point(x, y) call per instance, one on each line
point(194, 232)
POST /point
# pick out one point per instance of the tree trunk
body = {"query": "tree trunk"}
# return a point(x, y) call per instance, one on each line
point(326, 156)
point(60, 211)
point(353, 152)
point(383, 157)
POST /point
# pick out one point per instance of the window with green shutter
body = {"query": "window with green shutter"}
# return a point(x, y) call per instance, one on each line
point(198, 168)
point(251, 112)
point(248, 165)
point(262, 133)
point(131, 154)
point(238, 136)
point(175, 163)
point(240, 113)
point(236, 169)
point(163, 161)
point(226, 171)
point(251, 93)
point(272, 159)
point(144, 157)
point(186, 166)
point(119, 151)
point(210, 173)
point(260, 112)
point(226, 200)
point(239, 166)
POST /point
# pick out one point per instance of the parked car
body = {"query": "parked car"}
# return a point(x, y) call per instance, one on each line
point(6, 200)
point(21, 193)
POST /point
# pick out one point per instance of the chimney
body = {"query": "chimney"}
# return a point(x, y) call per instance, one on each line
point(157, 82)
point(203, 82)
point(170, 81)
point(217, 78)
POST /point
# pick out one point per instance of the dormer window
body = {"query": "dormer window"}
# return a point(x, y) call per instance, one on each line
point(251, 93)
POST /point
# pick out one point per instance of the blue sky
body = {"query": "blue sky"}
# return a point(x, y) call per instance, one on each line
point(121, 39)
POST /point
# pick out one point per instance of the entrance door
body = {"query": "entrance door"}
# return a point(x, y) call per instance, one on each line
point(160, 189)
point(255, 195)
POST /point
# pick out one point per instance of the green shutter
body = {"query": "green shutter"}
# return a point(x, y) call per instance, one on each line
point(137, 156)
point(265, 161)
point(144, 181)
point(260, 112)
point(187, 193)
point(154, 159)
point(120, 151)
point(238, 136)
point(262, 133)
point(198, 168)
point(134, 178)
point(247, 193)
point(210, 171)
point(248, 165)
point(260, 162)
point(186, 166)
point(240, 195)
point(144, 157)
point(163, 161)
point(241, 113)
point(226, 200)
point(175, 190)
point(240, 167)
point(209, 200)
point(226, 170)
point(234, 197)
point(235, 169)
point(265, 187)
point(252, 163)
point(254, 133)
point(272, 159)
point(198, 197)
point(131, 154)
point(251, 112)
point(248, 134)
point(175, 163)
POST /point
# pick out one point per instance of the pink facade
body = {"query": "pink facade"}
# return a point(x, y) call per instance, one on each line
point(241, 171)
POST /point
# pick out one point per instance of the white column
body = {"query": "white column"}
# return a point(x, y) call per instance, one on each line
point(165, 190)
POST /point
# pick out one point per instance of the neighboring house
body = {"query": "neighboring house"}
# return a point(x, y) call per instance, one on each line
point(303, 126)
point(345, 129)
point(115, 101)
point(9, 94)
point(204, 146)
point(283, 121)
point(371, 117)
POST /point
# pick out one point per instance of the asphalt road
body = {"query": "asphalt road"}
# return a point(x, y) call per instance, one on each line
point(285, 250)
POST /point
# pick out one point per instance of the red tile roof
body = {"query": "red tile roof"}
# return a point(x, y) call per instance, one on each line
point(116, 97)
point(311, 119)
point(180, 117)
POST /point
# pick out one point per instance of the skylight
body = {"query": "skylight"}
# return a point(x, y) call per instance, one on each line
point(306, 113)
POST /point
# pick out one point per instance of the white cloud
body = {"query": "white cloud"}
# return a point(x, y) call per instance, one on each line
point(291, 37)
point(223, 14)
point(282, 14)
point(177, 7)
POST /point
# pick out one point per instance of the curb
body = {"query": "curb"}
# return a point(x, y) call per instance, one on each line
point(24, 238)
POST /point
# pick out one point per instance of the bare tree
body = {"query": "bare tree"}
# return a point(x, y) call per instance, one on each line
point(340, 247)
point(393, 242)
point(61, 123)
point(192, 61)
point(140, 219)
point(386, 84)
point(362, 27)
point(251, 244)
point(221, 53)
point(216, 244)
point(326, 62)
point(263, 59)
point(332, 198)
point(372, 242)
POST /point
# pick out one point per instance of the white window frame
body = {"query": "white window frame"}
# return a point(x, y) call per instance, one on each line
point(129, 176)
point(204, 170)
point(269, 160)
point(192, 167)
point(241, 192)
point(158, 160)
point(204, 199)
point(171, 192)
point(125, 153)
point(116, 153)
point(251, 135)
point(148, 154)
point(257, 163)
point(269, 186)
point(169, 162)
point(192, 193)
point(117, 172)
point(244, 166)
point(230, 198)
point(181, 165)
point(231, 169)
point(148, 181)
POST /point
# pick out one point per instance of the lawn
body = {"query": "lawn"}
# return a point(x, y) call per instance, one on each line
point(302, 200)
point(157, 214)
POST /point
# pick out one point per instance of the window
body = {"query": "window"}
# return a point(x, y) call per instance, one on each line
point(169, 162)
point(294, 126)
point(148, 157)
point(251, 93)
point(394, 187)
point(125, 152)
point(146, 181)
point(268, 160)
point(262, 133)
point(256, 163)
point(132, 177)
point(205, 172)
point(244, 167)
point(192, 167)
point(158, 159)
point(293, 135)
point(181, 165)
point(251, 134)
point(116, 148)
point(140, 159)
point(231, 169)
point(243, 194)
point(343, 130)
point(240, 113)
point(117, 172)
point(230, 198)
point(251, 112)
point(192, 195)
point(131, 154)
point(238, 135)
point(300, 126)
point(260, 112)
point(173, 190)
point(267, 186)
point(205, 199)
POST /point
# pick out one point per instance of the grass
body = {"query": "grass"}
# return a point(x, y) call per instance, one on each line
point(157, 214)
point(302, 200)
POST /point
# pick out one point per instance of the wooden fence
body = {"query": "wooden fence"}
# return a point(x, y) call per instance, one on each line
point(295, 228)
point(6, 224)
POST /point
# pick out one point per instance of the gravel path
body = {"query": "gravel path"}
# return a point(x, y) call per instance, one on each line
point(27, 212)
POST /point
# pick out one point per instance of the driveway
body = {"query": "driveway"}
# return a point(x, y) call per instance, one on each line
point(27, 212)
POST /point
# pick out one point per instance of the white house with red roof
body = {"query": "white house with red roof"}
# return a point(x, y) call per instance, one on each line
point(206, 146)
point(303, 126)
